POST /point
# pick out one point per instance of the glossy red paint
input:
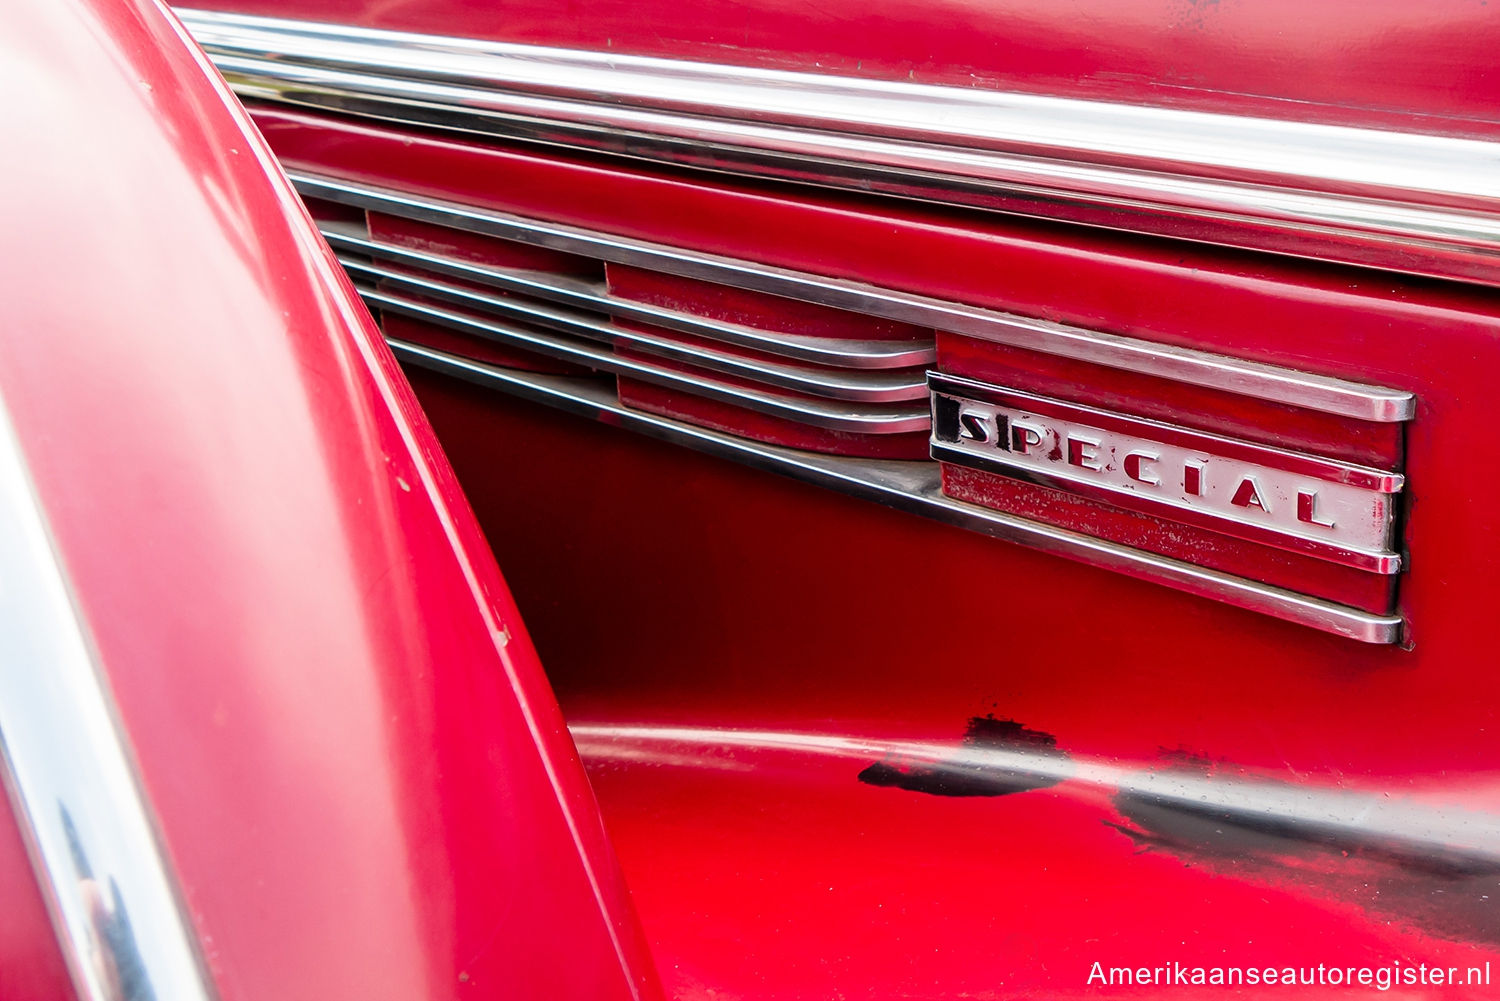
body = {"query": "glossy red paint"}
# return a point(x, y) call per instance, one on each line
point(773, 620)
point(782, 692)
point(31, 965)
point(1386, 62)
point(359, 773)
point(743, 630)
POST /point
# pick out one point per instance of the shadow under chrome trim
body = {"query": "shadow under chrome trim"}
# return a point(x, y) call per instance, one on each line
point(1421, 204)
point(1179, 364)
point(912, 486)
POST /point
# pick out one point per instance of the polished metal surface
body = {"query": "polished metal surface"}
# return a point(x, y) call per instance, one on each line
point(1449, 838)
point(866, 418)
point(89, 830)
point(913, 487)
point(595, 297)
point(1426, 204)
point(1334, 510)
point(1200, 368)
point(875, 386)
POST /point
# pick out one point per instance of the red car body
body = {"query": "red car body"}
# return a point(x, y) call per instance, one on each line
point(358, 776)
point(894, 722)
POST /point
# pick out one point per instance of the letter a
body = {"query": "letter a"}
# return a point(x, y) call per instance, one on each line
point(1248, 495)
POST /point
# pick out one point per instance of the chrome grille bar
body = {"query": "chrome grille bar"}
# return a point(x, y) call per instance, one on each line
point(869, 387)
point(867, 418)
point(595, 297)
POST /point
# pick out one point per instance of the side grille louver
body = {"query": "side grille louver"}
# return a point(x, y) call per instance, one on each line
point(591, 297)
point(853, 395)
point(863, 386)
point(819, 378)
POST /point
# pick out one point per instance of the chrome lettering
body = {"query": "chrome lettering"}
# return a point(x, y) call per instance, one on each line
point(1133, 468)
point(1300, 502)
point(1025, 437)
point(1084, 452)
point(1247, 494)
point(1192, 478)
point(973, 427)
point(1307, 509)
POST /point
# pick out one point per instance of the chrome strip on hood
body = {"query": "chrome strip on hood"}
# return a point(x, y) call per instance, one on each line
point(1417, 203)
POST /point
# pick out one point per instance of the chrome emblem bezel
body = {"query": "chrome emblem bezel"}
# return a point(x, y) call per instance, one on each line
point(1337, 511)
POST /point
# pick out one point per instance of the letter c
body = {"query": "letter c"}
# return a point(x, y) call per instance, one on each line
point(1133, 468)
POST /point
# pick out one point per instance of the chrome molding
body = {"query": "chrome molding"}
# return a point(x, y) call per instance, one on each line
point(595, 297)
point(1336, 818)
point(113, 900)
point(1200, 368)
point(862, 418)
point(913, 487)
point(874, 386)
point(1423, 204)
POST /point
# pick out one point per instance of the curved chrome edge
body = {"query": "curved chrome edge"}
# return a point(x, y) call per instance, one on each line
point(862, 418)
point(580, 294)
point(1201, 368)
point(915, 487)
point(1387, 820)
point(89, 830)
point(871, 386)
point(1419, 203)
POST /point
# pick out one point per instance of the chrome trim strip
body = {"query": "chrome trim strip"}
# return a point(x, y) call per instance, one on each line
point(914, 487)
point(595, 296)
point(1381, 814)
point(875, 386)
point(68, 769)
point(1425, 204)
point(1200, 368)
point(863, 418)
